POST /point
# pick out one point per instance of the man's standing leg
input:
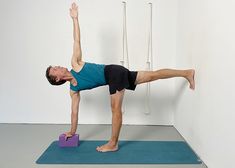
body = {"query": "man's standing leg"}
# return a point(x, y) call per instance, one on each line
point(116, 104)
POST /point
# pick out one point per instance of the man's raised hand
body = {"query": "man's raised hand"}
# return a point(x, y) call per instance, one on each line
point(74, 11)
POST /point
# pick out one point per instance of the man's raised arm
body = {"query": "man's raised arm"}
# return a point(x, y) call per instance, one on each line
point(77, 52)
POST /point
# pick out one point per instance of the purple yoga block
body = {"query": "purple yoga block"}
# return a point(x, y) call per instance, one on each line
point(71, 142)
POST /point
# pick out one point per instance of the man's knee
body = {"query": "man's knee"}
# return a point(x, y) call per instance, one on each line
point(116, 108)
point(116, 101)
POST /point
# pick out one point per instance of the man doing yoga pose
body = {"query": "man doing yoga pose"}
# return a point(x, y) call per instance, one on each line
point(85, 75)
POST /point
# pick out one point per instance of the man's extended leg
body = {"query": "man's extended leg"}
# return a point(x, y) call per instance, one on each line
point(148, 76)
point(116, 103)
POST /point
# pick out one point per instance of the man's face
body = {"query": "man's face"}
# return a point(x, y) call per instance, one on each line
point(58, 72)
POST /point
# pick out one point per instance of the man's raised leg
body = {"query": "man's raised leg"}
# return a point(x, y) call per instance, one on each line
point(148, 76)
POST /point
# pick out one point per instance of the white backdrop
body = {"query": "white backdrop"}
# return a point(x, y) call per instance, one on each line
point(35, 34)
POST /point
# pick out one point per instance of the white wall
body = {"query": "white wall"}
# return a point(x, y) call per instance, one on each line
point(35, 34)
point(205, 41)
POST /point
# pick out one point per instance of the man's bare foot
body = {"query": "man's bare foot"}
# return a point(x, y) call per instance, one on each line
point(190, 78)
point(108, 147)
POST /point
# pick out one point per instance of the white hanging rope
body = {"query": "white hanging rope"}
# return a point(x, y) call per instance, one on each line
point(124, 47)
point(125, 61)
point(149, 62)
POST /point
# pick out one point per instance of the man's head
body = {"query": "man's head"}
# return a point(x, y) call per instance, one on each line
point(56, 75)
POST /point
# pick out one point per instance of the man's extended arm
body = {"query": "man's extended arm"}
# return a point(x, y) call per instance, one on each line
point(77, 52)
point(76, 30)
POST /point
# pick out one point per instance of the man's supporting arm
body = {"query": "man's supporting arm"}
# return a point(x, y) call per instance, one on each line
point(75, 96)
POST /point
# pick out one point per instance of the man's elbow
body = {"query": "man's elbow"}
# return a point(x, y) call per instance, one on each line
point(77, 53)
point(77, 40)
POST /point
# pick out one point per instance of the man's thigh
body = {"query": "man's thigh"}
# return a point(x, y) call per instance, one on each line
point(143, 77)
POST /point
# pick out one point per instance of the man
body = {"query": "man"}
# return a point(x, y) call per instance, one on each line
point(84, 75)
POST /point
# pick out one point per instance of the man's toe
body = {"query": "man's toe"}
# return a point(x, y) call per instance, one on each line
point(98, 148)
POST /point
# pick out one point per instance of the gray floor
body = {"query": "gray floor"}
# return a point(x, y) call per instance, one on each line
point(22, 144)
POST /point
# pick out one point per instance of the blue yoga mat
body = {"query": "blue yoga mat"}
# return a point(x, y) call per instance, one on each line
point(130, 152)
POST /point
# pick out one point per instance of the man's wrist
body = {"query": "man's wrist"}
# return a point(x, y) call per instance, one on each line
point(72, 132)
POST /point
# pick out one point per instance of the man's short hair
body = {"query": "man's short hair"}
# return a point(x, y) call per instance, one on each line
point(52, 79)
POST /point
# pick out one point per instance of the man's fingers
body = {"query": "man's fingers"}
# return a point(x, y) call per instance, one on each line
point(67, 137)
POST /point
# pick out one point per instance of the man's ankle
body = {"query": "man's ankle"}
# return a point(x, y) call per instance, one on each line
point(113, 142)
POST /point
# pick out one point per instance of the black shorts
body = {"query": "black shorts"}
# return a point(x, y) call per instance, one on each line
point(119, 77)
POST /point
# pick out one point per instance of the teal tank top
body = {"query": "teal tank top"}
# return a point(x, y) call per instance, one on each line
point(90, 76)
